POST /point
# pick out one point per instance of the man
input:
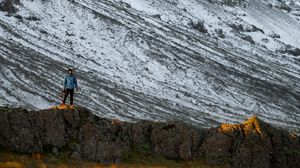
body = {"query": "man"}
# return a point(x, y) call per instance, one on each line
point(70, 83)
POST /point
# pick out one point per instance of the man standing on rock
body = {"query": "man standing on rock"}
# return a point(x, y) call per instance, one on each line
point(70, 83)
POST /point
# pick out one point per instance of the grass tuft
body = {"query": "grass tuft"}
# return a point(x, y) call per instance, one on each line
point(138, 157)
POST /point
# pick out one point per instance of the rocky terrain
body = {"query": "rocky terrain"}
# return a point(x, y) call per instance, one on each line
point(83, 135)
point(202, 62)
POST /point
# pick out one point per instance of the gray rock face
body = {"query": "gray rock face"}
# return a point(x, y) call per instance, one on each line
point(90, 137)
point(86, 136)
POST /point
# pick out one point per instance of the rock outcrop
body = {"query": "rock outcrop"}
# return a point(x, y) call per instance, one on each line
point(86, 136)
point(8, 6)
point(90, 137)
point(228, 2)
point(252, 144)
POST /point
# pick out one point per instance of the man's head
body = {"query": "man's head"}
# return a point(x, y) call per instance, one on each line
point(70, 71)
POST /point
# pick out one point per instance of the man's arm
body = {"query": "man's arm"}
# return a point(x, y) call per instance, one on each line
point(65, 82)
point(75, 83)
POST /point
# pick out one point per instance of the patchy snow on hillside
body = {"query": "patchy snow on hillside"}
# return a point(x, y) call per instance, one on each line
point(198, 61)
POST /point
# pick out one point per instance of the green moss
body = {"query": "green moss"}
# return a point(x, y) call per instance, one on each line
point(49, 160)
point(146, 147)
point(63, 153)
point(290, 151)
point(137, 157)
point(142, 155)
point(226, 160)
point(5, 109)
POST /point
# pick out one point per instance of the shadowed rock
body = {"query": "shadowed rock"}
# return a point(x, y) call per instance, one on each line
point(90, 137)
point(85, 136)
point(8, 6)
point(251, 144)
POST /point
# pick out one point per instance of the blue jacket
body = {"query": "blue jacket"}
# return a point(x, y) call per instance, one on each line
point(70, 82)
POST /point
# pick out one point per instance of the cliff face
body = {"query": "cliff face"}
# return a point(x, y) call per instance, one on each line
point(155, 59)
point(86, 136)
point(252, 144)
point(91, 137)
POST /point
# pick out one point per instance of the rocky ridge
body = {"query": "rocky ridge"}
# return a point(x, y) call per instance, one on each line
point(204, 62)
point(84, 135)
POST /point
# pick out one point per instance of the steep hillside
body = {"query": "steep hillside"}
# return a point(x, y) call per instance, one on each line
point(203, 62)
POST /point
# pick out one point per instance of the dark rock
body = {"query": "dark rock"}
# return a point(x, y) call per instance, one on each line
point(245, 28)
point(255, 29)
point(270, 5)
point(283, 6)
point(248, 38)
point(274, 35)
point(69, 34)
point(157, 16)
point(294, 52)
point(175, 140)
point(265, 40)
point(86, 136)
point(83, 135)
point(237, 27)
point(198, 25)
point(8, 6)
point(228, 2)
point(288, 49)
point(217, 147)
point(18, 17)
point(32, 18)
point(251, 144)
point(220, 33)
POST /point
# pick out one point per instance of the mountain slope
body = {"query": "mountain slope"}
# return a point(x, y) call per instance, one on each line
point(198, 61)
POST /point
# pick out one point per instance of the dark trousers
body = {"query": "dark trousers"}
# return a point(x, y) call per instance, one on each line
point(67, 91)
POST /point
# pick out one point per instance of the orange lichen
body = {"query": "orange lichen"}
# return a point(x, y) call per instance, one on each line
point(63, 107)
point(228, 128)
point(252, 124)
point(248, 127)
point(293, 135)
point(114, 122)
